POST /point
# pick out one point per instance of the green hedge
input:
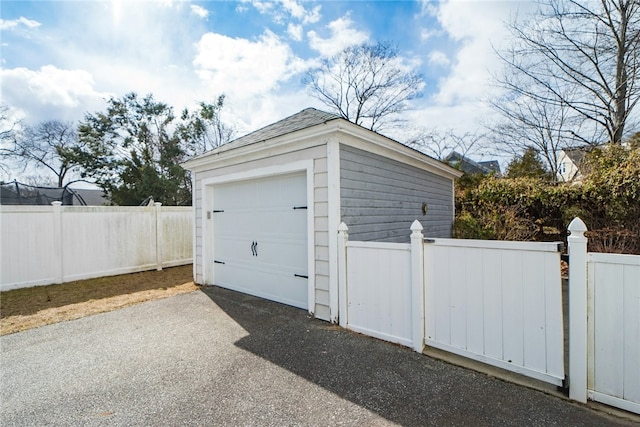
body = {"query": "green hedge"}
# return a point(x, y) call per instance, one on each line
point(608, 198)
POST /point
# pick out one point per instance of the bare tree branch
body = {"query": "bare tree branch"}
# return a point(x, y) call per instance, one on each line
point(571, 76)
point(366, 84)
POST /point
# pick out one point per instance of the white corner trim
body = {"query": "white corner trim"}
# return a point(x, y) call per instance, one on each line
point(333, 191)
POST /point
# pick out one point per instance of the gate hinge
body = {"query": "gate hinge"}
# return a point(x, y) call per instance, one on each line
point(215, 261)
point(300, 275)
point(299, 207)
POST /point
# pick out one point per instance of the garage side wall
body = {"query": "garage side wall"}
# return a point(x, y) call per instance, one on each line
point(321, 250)
point(381, 197)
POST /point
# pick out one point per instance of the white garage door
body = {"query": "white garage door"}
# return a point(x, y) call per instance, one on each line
point(260, 238)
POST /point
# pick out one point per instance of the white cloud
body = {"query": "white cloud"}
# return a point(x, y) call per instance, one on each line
point(199, 11)
point(245, 69)
point(342, 36)
point(477, 28)
point(283, 10)
point(50, 91)
point(22, 21)
point(428, 8)
point(427, 33)
point(438, 58)
point(295, 31)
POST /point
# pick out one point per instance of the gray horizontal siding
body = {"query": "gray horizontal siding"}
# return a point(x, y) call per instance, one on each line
point(381, 197)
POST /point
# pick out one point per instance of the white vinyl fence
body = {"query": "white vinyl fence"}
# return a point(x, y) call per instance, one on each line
point(42, 245)
point(605, 324)
point(497, 302)
point(501, 303)
point(381, 309)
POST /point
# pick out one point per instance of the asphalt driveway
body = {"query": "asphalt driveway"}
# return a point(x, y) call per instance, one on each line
point(222, 358)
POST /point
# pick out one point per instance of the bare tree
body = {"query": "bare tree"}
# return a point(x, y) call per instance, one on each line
point(366, 84)
point(571, 75)
point(9, 131)
point(529, 124)
point(46, 146)
point(439, 144)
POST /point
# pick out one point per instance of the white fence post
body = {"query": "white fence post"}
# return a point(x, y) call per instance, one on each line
point(417, 286)
point(57, 241)
point(343, 238)
point(159, 236)
point(577, 311)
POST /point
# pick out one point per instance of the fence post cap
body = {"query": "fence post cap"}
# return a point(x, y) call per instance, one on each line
point(56, 203)
point(416, 226)
point(343, 227)
point(577, 227)
point(157, 204)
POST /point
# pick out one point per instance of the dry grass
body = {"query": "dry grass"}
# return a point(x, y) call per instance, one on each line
point(27, 308)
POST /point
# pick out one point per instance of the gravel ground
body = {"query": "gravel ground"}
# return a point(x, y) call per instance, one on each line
point(216, 357)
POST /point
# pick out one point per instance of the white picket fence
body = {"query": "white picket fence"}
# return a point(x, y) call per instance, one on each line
point(42, 245)
point(501, 303)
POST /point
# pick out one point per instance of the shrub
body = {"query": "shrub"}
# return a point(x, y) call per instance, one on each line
point(524, 208)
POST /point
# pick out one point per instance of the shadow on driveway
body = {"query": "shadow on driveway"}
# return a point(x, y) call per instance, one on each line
point(394, 382)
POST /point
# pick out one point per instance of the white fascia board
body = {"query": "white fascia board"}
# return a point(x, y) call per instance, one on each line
point(305, 138)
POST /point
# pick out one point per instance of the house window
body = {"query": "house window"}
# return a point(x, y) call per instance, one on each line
point(563, 168)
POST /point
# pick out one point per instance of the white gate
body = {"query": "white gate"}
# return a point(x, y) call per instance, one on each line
point(496, 302)
point(613, 307)
point(379, 291)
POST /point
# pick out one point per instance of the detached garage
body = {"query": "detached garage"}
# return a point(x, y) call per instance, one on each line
point(267, 205)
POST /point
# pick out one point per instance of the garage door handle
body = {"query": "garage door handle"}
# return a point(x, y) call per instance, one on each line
point(254, 248)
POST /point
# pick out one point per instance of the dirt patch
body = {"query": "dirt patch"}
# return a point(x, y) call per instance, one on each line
point(27, 308)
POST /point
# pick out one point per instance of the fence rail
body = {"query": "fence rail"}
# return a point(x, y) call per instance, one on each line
point(41, 245)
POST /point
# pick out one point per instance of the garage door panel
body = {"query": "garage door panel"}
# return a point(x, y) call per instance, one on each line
point(260, 240)
point(274, 284)
point(281, 191)
point(233, 248)
point(238, 196)
point(287, 254)
point(281, 222)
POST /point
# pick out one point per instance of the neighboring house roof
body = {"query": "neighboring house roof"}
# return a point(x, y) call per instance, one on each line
point(577, 154)
point(575, 157)
point(91, 197)
point(310, 118)
point(468, 166)
point(492, 165)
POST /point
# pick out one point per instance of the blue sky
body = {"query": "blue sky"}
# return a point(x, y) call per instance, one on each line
point(60, 59)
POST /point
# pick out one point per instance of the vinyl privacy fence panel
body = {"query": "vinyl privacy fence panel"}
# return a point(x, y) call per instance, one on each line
point(28, 244)
point(54, 244)
point(501, 303)
point(613, 307)
point(381, 305)
point(496, 302)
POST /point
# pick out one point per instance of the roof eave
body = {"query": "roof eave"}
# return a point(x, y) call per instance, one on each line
point(324, 129)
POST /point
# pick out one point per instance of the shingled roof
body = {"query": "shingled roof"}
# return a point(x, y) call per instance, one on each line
point(302, 120)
